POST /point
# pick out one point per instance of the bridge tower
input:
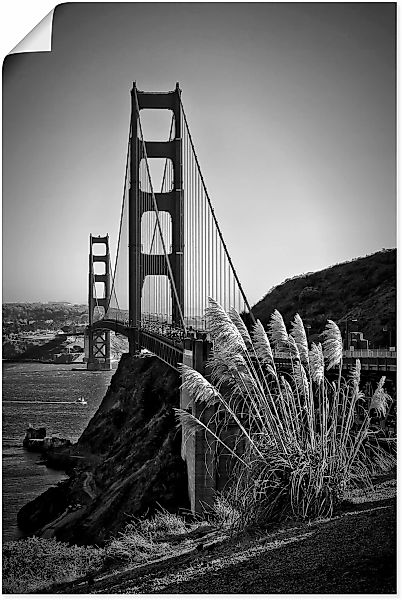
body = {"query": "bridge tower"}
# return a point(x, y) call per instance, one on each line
point(97, 340)
point(140, 264)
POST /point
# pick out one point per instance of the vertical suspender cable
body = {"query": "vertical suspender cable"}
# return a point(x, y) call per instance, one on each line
point(214, 218)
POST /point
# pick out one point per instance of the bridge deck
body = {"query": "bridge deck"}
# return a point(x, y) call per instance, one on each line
point(168, 344)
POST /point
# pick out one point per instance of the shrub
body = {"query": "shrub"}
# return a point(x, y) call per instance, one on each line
point(298, 443)
point(36, 563)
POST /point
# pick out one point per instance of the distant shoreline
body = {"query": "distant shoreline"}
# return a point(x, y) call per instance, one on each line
point(44, 362)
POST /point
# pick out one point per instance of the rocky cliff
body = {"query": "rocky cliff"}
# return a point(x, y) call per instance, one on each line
point(126, 462)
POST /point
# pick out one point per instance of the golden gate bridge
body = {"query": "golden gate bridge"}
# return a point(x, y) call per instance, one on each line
point(171, 255)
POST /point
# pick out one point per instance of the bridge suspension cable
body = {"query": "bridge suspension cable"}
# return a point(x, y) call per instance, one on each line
point(114, 310)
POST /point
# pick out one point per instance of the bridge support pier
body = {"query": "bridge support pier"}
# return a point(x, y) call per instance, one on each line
point(98, 344)
point(97, 341)
point(198, 449)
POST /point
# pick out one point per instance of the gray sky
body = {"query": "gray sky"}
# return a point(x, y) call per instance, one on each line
point(291, 107)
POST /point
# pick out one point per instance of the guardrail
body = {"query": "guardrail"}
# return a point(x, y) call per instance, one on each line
point(374, 353)
point(381, 361)
point(169, 353)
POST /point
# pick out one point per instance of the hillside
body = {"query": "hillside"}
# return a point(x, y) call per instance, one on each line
point(24, 317)
point(362, 289)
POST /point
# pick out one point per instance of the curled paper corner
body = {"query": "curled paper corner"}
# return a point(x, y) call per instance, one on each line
point(39, 39)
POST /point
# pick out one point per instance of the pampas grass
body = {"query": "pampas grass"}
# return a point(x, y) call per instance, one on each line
point(298, 333)
point(317, 366)
point(333, 345)
point(380, 399)
point(298, 444)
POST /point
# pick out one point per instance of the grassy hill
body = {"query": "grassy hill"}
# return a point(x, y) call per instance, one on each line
point(362, 289)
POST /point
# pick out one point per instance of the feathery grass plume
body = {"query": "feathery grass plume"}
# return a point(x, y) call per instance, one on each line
point(298, 333)
point(200, 388)
point(380, 385)
point(293, 348)
point(191, 424)
point(277, 331)
point(223, 331)
point(316, 363)
point(261, 344)
point(380, 398)
point(355, 373)
point(286, 388)
point(332, 346)
point(271, 369)
point(227, 368)
point(300, 378)
point(238, 321)
point(202, 391)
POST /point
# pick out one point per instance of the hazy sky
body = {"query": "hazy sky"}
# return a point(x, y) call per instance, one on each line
point(291, 107)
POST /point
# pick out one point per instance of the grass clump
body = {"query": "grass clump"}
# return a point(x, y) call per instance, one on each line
point(299, 443)
point(149, 539)
point(36, 563)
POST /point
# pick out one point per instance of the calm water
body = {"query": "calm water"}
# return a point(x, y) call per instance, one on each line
point(41, 394)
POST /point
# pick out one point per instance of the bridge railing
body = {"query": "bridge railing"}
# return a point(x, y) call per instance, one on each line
point(170, 353)
point(375, 360)
point(374, 353)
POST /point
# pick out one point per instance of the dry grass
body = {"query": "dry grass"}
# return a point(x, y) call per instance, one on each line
point(152, 538)
point(37, 563)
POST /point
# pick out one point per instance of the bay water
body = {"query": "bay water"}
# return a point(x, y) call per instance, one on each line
point(41, 395)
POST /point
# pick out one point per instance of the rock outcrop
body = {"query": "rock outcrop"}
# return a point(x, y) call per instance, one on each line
point(32, 435)
point(36, 440)
point(126, 462)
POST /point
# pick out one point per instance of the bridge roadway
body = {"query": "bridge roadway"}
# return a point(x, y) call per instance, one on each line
point(168, 349)
point(167, 342)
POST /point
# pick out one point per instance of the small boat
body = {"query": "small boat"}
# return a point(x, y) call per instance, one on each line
point(81, 400)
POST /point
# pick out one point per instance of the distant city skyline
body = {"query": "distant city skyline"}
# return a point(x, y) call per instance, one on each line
point(292, 111)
